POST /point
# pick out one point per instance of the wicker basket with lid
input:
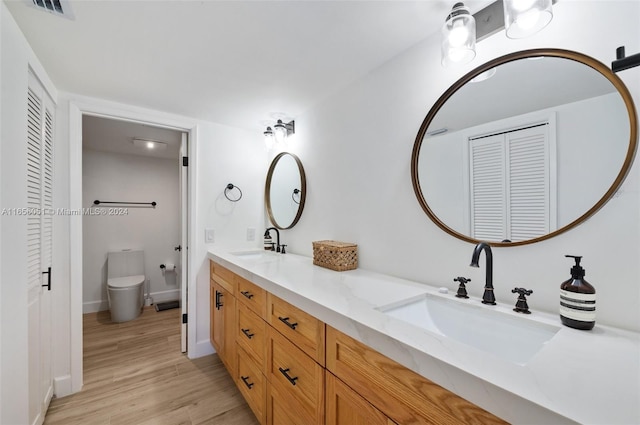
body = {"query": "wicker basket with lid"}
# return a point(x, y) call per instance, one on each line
point(334, 255)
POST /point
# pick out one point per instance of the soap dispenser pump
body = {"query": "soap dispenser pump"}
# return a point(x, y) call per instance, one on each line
point(577, 299)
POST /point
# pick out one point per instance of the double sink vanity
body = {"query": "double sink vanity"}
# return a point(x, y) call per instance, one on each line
point(376, 346)
point(308, 345)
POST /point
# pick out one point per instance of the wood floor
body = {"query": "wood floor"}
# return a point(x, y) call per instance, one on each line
point(134, 374)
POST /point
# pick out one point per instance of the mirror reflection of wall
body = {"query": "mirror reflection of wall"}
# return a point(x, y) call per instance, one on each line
point(285, 190)
point(527, 152)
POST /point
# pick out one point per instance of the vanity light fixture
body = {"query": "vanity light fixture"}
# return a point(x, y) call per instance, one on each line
point(458, 36)
point(279, 134)
point(519, 19)
point(148, 144)
point(523, 18)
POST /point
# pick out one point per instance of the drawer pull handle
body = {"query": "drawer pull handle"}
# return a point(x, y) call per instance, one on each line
point(245, 379)
point(218, 302)
point(247, 334)
point(291, 379)
point(286, 321)
point(247, 294)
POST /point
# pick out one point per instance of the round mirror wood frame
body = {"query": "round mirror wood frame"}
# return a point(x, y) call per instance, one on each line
point(267, 190)
point(559, 53)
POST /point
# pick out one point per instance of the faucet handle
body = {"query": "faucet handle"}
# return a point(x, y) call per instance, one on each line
point(282, 251)
point(462, 289)
point(521, 303)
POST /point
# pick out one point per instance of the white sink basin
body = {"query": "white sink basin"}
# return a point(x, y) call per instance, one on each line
point(255, 254)
point(512, 338)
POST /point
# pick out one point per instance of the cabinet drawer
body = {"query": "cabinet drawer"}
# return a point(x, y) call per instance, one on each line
point(222, 276)
point(251, 334)
point(252, 296)
point(400, 393)
point(297, 374)
point(252, 384)
point(302, 329)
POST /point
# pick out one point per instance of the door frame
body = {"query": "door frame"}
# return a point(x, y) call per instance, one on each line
point(86, 106)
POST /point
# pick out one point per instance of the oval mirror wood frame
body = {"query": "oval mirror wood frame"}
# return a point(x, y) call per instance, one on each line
point(267, 190)
point(559, 53)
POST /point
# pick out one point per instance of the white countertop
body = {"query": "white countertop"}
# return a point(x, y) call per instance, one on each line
point(582, 376)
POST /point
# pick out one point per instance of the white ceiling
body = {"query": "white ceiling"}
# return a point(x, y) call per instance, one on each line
point(108, 135)
point(232, 62)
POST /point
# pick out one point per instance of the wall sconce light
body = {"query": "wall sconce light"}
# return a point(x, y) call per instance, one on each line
point(458, 37)
point(269, 140)
point(519, 18)
point(279, 134)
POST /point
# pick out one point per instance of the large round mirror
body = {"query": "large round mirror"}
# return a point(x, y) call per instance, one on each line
point(285, 190)
point(524, 147)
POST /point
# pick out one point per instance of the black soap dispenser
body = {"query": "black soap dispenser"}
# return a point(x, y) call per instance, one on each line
point(577, 299)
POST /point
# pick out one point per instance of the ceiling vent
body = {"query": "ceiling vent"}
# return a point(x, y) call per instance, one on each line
point(55, 7)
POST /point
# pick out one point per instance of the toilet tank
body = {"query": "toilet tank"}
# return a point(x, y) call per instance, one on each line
point(125, 263)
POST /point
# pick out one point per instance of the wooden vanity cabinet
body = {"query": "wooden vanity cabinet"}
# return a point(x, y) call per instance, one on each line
point(294, 370)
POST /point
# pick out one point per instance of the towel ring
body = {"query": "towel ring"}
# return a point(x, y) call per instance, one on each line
point(229, 188)
point(293, 195)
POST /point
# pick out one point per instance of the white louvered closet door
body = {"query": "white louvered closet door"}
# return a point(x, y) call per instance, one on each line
point(487, 188)
point(529, 191)
point(39, 177)
point(510, 186)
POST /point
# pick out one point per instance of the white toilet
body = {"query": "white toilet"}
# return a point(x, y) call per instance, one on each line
point(125, 284)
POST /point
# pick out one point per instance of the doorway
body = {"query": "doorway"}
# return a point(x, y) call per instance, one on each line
point(186, 130)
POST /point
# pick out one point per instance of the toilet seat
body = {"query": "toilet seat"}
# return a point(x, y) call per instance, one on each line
point(125, 282)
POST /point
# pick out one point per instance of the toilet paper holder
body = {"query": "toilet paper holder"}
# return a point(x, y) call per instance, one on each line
point(168, 267)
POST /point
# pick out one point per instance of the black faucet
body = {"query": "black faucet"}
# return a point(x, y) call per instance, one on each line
point(488, 297)
point(268, 236)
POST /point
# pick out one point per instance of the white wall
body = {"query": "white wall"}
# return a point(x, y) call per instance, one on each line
point(156, 231)
point(356, 149)
point(15, 59)
point(225, 155)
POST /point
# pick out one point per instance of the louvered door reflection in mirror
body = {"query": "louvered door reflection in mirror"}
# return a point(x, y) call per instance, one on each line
point(528, 153)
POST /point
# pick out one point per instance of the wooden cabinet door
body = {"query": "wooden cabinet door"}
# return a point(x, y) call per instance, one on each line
point(346, 407)
point(223, 325)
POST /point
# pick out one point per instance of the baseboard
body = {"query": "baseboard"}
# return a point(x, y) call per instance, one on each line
point(171, 295)
point(202, 348)
point(94, 306)
point(62, 386)
point(102, 305)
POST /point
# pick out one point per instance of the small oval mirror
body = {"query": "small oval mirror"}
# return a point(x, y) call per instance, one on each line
point(524, 147)
point(285, 190)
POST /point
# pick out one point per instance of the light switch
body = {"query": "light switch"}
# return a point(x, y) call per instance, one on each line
point(209, 235)
point(251, 234)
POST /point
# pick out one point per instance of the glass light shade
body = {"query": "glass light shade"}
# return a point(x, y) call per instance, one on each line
point(458, 37)
point(268, 138)
point(280, 132)
point(523, 18)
